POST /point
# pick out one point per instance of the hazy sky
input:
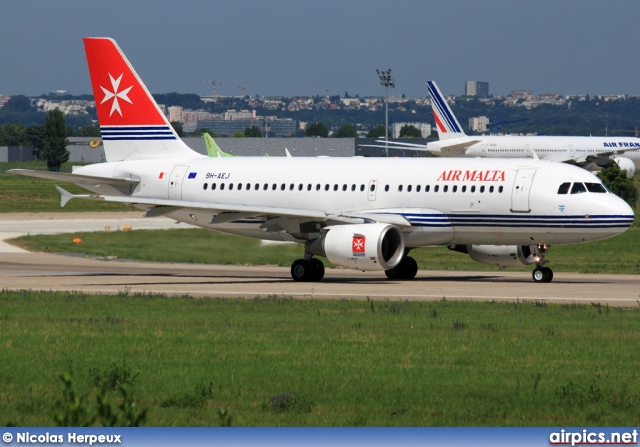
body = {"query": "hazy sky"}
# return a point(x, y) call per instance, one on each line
point(300, 47)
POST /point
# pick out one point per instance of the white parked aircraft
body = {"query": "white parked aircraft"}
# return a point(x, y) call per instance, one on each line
point(591, 153)
point(361, 213)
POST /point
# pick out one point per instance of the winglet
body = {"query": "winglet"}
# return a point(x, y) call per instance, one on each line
point(65, 196)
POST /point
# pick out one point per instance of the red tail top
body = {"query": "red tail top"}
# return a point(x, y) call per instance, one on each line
point(121, 97)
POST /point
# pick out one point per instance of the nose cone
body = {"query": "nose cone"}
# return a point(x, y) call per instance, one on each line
point(619, 215)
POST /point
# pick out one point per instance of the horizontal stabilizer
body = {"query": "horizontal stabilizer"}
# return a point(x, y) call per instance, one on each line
point(76, 178)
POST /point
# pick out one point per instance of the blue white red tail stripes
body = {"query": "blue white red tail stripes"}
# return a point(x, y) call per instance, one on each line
point(137, 133)
point(446, 122)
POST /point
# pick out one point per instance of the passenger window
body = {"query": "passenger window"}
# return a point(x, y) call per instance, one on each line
point(282, 187)
point(446, 188)
point(248, 186)
point(291, 186)
point(265, 187)
point(455, 188)
point(353, 187)
point(213, 187)
point(473, 188)
point(361, 187)
point(578, 188)
point(239, 186)
point(205, 186)
point(344, 187)
point(490, 188)
point(318, 187)
point(409, 188)
point(399, 188)
point(372, 187)
point(436, 188)
point(482, 189)
point(258, 186)
point(386, 188)
point(464, 188)
point(564, 188)
point(221, 186)
point(426, 188)
point(418, 188)
point(274, 187)
point(230, 186)
point(326, 187)
point(500, 189)
point(335, 187)
point(309, 187)
point(595, 187)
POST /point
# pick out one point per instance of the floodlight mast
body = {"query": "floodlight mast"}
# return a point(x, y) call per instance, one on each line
point(387, 80)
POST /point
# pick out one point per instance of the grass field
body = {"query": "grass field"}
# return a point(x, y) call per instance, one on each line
point(615, 255)
point(333, 363)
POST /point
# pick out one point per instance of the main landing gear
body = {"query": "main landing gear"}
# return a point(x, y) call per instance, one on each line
point(307, 270)
point(407, 269)
point(542, 273)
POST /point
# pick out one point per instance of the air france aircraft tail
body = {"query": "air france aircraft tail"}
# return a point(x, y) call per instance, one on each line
point(446, 122)
point(132, 125)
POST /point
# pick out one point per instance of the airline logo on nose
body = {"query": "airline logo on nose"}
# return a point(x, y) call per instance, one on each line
point(115, 94)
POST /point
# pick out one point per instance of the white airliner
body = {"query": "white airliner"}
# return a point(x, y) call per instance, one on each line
point(360, 213)
point(591, 153)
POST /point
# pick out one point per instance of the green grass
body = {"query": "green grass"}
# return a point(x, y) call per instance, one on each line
point(615, 255)
point(349, 363)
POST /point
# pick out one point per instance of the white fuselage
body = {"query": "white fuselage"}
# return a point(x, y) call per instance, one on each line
point(546, 147)
point(447, 202)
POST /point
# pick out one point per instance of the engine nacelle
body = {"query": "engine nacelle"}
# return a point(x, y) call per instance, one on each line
point(625, 164)
point(500, 255)
point(375, 246)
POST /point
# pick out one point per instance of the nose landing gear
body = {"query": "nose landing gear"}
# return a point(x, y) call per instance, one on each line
point(542, 273)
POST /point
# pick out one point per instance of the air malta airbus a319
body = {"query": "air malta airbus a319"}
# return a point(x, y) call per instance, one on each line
point(359, 213)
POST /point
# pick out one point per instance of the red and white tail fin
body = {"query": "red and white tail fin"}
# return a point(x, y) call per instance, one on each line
point(132, 125)
point(446, 122)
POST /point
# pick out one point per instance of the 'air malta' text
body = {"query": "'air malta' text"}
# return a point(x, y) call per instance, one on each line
point(472, 176)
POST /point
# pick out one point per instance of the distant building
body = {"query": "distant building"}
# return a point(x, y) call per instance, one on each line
point(425, 129)
point(476, 88)
point(4, 100)
point(478, 123)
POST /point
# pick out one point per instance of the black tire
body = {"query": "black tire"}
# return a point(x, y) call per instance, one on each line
point(410, 268)
point(301, 270)
point(549, 274)
point(317, 268)
point(539, 274)
point(393, 273)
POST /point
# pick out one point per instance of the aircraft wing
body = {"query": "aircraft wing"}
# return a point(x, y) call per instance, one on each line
point(222, 212)
point(583, 159)
point(453, 145)
point(76, 178)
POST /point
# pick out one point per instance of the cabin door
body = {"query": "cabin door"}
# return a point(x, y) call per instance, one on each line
point(522, 190)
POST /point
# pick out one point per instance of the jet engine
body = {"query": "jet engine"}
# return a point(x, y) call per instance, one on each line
point(500, 255)
point(625, 164)
point(375, 246)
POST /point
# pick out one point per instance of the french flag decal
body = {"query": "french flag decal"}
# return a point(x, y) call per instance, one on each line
point(358, 245)
point(193, 174)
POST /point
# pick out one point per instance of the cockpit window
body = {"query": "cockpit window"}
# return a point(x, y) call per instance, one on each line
point(595, 187)
point(564, 188)
point(578, 188)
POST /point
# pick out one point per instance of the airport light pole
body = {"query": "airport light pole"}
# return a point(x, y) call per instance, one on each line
point(387, 80)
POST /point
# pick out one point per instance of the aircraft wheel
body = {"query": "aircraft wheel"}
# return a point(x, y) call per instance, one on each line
point(410, 268)
point(317, 268)
point(393, 273)
point(542, 274)
point(549, 274)
point(301, 270)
